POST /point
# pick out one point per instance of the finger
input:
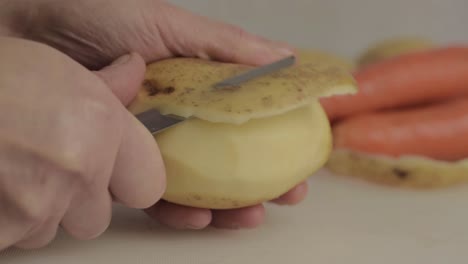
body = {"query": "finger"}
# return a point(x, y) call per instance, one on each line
point(248, 217)
point(294, 196)
point(212, 39)
point(42, 235)
point(124, 76)
point(180, 217)
point(90, 210)
point(13, 227)
point(89, 215)
point(34, 189)
point(138, 178)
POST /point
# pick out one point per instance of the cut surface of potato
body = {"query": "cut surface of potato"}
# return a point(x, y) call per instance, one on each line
point(219, 166)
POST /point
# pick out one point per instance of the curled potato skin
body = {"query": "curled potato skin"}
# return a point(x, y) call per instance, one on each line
point(414, 172)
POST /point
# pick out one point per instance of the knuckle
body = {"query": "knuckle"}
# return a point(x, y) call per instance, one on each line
point(96, 110)
point(72, 171)
point(30, 183)
point(94, 117)
point(239, 32)
point(234, 38)
point(92, 112)
point(33, 207)
point(33, 212)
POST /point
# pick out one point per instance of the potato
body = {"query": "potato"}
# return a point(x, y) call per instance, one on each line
point(392, 47)
point(410, 171)
point(222, 166)
point(246, 144)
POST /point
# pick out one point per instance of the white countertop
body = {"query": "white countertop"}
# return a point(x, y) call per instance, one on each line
point(343, 220)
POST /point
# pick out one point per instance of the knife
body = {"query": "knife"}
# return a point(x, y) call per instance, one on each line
point(156, 122)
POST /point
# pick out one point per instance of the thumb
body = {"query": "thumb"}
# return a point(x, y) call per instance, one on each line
point(124, 76)
point(211, 39)
point(138, 179)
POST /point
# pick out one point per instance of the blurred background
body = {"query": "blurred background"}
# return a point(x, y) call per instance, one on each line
point(345, 27)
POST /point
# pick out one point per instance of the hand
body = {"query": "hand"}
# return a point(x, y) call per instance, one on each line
point(94, 32)
point(68, 145)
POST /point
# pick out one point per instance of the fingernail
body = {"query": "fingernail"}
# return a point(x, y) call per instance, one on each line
point(193, 227)
point(285, 51)
point(234, 226)
point(122, 60)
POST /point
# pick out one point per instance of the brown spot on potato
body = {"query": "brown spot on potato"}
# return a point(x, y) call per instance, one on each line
point(228, 108)
point(150, 88)
point(169, 90)
point(154, 90)
point(400, 173)
point(267, 100)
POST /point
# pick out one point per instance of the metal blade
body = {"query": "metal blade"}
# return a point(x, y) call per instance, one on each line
point(156, 122)
point(257, 72)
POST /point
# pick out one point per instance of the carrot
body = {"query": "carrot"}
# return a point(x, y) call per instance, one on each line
point(438, 131)
point(414, 78)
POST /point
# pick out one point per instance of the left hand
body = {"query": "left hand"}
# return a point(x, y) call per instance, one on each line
point(95, 32)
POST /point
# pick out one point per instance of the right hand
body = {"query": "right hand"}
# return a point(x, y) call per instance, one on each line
point(68, 146)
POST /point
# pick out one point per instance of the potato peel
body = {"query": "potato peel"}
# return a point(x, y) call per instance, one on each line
point(393, 47)
point(247, 145)
point(411, 171)
point(183, 87)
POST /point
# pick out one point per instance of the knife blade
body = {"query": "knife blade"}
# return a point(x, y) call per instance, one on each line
point(156, 122)
point(256, 72)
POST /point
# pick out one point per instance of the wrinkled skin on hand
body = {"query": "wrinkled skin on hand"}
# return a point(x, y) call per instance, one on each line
point(67, 145)
point(95, 32)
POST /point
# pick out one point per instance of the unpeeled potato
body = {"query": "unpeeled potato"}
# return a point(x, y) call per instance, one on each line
point(409, 171)
point(392, 47)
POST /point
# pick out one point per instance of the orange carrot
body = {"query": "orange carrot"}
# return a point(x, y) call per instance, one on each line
point(419, 77)
point(438, 131)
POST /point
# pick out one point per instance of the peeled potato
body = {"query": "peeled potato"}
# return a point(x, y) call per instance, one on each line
point(409, 171)
point(246, 144)
point(222, 166)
